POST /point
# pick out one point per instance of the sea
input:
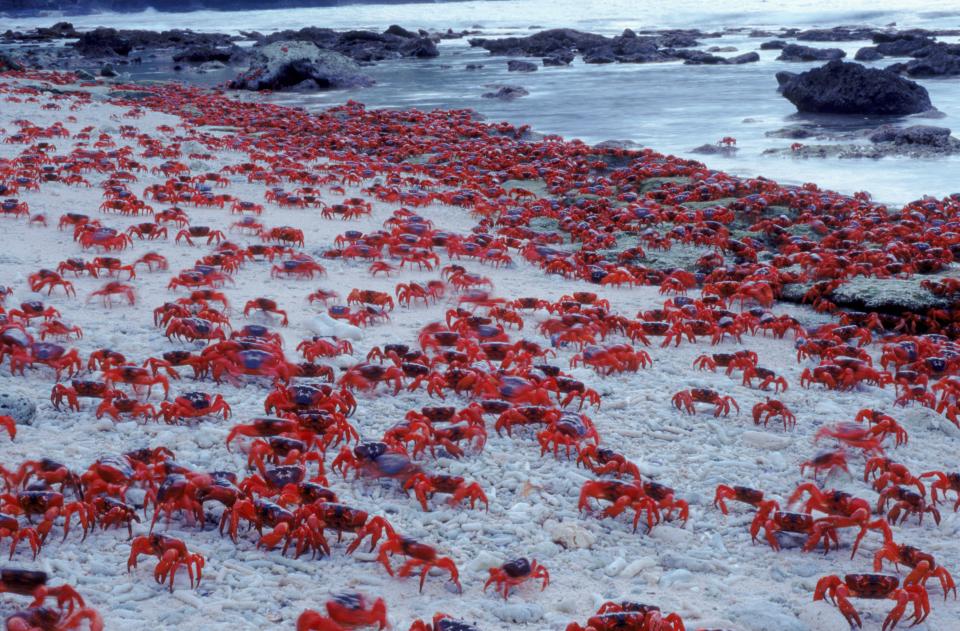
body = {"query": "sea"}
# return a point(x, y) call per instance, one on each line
point(669, 107)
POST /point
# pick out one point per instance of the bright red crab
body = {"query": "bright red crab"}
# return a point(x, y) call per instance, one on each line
point(516, 572)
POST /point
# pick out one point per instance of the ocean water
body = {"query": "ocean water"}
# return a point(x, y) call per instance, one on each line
point(669, 107)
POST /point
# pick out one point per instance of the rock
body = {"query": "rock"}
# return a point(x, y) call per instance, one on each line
point(473, 67)
point(835, 34)
point(698, 57)
point(777, 44)
point(284, 65)
point(506, 93)
point(796, 52)
point(542, 44)
point(420, 48)
point(794, 133)
point(9, 63)
point(107, 71)
point(939, 62)
point(570, 535)
point(600, 56)
point(204, 54)
point(765, 440)
point(848, 88)
point(517, 65)
point(746, 58)
point(714, 149)
point(399, 31)
point(914, 135)
point(902, 45)
point(103, 42)
point(561, 58)
point(83, 75)
point(868, 53)
point(17, 405)
point(759, 614)
point(516, 612)
point(722, 49)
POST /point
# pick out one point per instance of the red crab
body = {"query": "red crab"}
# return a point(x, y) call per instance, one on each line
point(419, 555)
point(923, 566)
point(686, 398)
point(114, 288)
point(425, 486)
point(266, 305)
point(772, 408)
point(629, 616)
point(875, 586)
point(515, 572)
point(194, 405)
point(172, 554)
point(442, 622)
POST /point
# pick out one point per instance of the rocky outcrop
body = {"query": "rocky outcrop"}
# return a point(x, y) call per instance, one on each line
point(560, 44)
point(519, 65)
point(868, 53)
point(109, 42)
point(835, 34)
point(299, 66)
point(848, 88)
point(206, 54)
point(796, 52)
point(505, 92)
point(364, 46)
point(939, 60)
point(926, 135)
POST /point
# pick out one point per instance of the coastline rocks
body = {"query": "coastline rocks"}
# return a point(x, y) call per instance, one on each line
point(901, 44)
point(362, 46)
point(9, 63)
point(914, 135)
point(108, 71)
point(745, 58)
point(206, 54)
point(868, 53)
point(777, 44)
point(518, 65)
point(17, 405)
point(939, 61)
point(796, 52)
point(835, 34)
point(505, 92)
point(563, 58)
point(299, 65)
point(848, 88)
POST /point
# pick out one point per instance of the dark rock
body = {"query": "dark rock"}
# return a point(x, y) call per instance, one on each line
point(204, 54)
point(796, 52)
point(517, 65)
point(848, 88)
point(939, 62)
point(542, 44)
point(836, 34)
point(777, 44)
point(399, 31)
point(868, 53)
point(473, 67)
point(905, 46)
point(83, 75)
point(698, 57)
point(628, 34)
point(421, 48)
point(599, 56)
point(506, 93)
point(300, 66)
point(714, 149)
point(746, 58)
point(913, 135)
point(795, 133)
point(9, 63)
point(564, 58)
point(722, 49)
point(103, 42)
point(107, 71)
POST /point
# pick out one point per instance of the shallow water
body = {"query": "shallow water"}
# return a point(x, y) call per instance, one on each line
point(669, 107)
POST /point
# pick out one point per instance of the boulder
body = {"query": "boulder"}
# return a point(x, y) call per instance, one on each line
point(9, 63)
point(746, 58)
point(848, 88)
point(300, 65)
point(699, 57)
point(777, 44)
point(796, 52)
point(913, 135)
point(599, 56)
point(17, 405)
point(868, 53)
point(108, 71)
point(506, 93)
point(518, 65)
point(835, 34)
point(473, 67)
point(542, 44)
point(103, 42)
point(561, 58)
point(940, 61)
point(205, 54)
point(399, 31)
point(904, 45)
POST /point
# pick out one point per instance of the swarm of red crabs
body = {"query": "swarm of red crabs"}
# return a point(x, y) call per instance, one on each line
point(491, 364)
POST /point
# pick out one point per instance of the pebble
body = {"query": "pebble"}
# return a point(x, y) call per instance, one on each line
point(616, 567)
point(517, 612)
point(18, 405)
point(766, 440)
point(635, 567)
point(571, 536)
point(675, 577)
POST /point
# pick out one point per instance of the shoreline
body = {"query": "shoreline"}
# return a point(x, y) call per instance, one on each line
point(459, 174)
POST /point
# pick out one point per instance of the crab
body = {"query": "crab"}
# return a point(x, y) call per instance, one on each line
point(78, 389)
point(629, 616)
point(366, 296)
point(825, 460)
point(116, 405)
point(442, 622)
point(944, 482)
point(266, 305)
point(685, 399)
point(772, 408)
point(873, 586)
point(923, 566)
point(743, 494)
point(299, 268)
point(366, 376)
point(194, 405)
point(604, 461)
point(623, 495)
point(419, 555)
point(114, 288)
point(49, 279)
point(515, 572)
point(34, 583)
point(137, 377)
point(908, 502)
point(774, 521)
point(172, 554)
point(425, 486)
